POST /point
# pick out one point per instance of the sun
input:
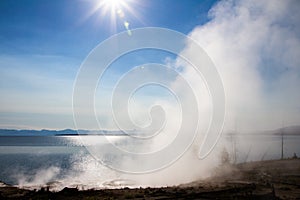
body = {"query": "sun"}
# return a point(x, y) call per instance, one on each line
point(114, 13)
point(113, 4)
point(115, 7)
point(116, 10)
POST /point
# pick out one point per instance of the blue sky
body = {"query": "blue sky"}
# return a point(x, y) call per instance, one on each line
point(44, 42)
point(64, 27)
point(255, 46)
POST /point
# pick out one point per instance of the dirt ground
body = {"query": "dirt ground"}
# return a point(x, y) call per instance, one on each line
point(276, 179)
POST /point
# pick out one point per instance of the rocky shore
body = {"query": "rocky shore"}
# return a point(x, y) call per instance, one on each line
point(275, 179)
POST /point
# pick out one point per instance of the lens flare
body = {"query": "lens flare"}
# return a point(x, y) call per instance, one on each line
point(117, 9)
point(112, 4)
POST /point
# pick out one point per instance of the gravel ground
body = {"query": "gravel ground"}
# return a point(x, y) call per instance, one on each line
point(275, 179)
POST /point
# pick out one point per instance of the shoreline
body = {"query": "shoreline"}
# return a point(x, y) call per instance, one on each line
point(271, 179)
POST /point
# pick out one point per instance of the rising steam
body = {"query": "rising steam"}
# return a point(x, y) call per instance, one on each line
point(255, 46)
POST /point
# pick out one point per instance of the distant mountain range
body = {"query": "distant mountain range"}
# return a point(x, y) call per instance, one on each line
point(290, 130)
point(65, 132)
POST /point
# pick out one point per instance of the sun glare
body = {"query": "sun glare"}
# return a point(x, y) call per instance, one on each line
point(113, 4)
point(116, 9)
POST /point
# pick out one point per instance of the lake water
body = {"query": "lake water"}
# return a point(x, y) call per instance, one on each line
point(63, 160)
point(22, 157)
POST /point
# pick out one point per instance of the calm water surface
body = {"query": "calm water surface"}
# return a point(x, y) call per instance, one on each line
point(38, 159)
